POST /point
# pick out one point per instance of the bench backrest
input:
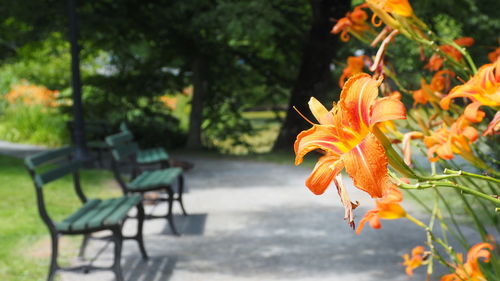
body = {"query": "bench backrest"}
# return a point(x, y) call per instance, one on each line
point(56, 164)
point(122, 146)
point(94, 129)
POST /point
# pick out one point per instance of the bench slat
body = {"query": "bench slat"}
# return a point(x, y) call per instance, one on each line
point(66, 223)
point(82, 222)
point(99, 218)
point(152, 155)
point(122, 210)
point(119, 138)
point(41, 158)
point(59, 172)
point(150, 179)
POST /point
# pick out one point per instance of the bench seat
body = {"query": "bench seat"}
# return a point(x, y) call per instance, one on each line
point(152, 155)
point(97, 213)
point(153, 179)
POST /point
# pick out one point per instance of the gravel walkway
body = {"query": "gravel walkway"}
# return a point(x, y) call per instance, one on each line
point(257, 221)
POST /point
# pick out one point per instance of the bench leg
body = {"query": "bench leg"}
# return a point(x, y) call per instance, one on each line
point(53, 259)
point(140, 224)
point(181, 191)
point(117, 268)
point(81, 253)
point(170, 217)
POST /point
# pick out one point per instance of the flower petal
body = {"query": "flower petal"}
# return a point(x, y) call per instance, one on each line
point(367, 165)
point(472, 112)
point(324, 172)
point(371, 217)
point(390, 211)
point(318, 137)
point(356, 99)
point(387, 108)
point(319, 111)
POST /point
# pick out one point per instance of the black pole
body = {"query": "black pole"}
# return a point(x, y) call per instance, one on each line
point(78, 120)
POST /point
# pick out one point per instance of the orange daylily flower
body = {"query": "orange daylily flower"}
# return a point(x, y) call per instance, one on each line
point(400, 7)
point(492, 56)
point(482, 89)
point(170, 102)
point(432, 91)
point(447, 142)
point(354, 22)
point(436, 61)
point(470, 270)
point(354, 66)
point(344, 134)
point(416, 260)
point(386, 208)
point(32, 95)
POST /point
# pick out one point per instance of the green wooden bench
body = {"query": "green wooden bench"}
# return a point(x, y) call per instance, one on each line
point(94, 215)
point(149, 156)
point(124, 151)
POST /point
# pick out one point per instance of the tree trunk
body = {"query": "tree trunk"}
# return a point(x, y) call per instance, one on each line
point(314, 77)
point(199, 92)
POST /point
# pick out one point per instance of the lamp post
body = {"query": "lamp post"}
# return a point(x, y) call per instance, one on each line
point(78, 120)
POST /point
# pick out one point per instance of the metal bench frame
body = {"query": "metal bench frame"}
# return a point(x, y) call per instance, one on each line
point(72, 167)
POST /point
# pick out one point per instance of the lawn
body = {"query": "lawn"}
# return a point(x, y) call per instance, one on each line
point(24, 240)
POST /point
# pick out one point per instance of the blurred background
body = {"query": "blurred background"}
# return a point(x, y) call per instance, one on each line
point(220, 75)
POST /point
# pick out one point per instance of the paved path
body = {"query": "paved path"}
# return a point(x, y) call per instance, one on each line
point(257, 221)
point(19, 150)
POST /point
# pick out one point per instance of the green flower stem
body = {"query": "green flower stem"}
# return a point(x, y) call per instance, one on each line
point(415, 221)
point(465, 189)
point(469, 190)
point(477, 221)
point(464, 53)
point(471, 175)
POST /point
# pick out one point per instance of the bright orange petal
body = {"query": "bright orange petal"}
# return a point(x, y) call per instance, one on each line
point(400, 7)
point(472, 112)
point(371, 217)
point(324, 172)
point(479, 251)
point(470, 133)
point(324, 137)
point(387, 108)
point(390, 211)
point(367, 166)
point(356, 99)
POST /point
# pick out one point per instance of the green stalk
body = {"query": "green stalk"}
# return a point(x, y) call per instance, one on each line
point(471, 175)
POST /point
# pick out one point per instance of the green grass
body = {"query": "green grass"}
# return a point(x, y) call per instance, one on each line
point(22, 232)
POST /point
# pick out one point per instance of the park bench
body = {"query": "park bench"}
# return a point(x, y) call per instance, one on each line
point(95, 132)
point(93, 216)
point(124, 152)
point(149, 156)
